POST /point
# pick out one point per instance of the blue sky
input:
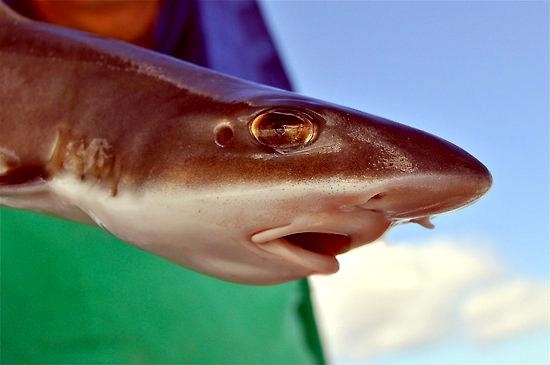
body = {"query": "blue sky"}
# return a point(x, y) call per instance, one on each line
point(477, 74)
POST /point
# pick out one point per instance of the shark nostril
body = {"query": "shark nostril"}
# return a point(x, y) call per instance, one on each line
point(378, 196)
point(375, 202)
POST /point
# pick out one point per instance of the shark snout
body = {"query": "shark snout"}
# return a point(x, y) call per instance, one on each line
point(442, 179)
point(420, 174)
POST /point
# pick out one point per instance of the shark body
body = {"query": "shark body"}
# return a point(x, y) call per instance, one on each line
point(237, 180)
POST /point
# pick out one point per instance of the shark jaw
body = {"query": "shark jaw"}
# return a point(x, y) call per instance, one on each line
point(314, 240)
point(264, 235)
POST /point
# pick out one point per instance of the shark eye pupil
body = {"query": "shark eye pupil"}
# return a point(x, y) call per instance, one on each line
point(283, 130)
point(279, 128)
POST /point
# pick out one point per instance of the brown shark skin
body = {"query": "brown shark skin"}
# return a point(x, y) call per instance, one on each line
point(57, 80)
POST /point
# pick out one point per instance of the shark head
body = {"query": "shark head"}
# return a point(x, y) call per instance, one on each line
point(237, 180)
point(274, 187)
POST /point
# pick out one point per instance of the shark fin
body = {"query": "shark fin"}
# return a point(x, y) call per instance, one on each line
point(27, 186)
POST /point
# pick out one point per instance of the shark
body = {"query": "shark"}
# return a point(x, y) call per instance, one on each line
point(233, 179)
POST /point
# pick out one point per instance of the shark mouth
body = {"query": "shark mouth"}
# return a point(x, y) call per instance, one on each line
point(328, 244)
point(313, 241)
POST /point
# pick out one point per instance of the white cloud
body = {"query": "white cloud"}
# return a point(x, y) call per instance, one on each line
point(506, 309)
point(388, 298)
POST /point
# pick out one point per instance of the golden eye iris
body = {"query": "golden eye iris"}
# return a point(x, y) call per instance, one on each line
point(283, 131)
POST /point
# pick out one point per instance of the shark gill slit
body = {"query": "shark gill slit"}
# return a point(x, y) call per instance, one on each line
point(90, 159)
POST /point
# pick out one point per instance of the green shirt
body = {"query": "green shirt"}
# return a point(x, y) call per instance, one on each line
point(72, 293)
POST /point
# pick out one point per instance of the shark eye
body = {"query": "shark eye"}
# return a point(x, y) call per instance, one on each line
point(283, 130)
